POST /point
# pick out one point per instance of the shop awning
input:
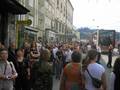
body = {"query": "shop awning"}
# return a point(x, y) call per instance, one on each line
point(12, 6)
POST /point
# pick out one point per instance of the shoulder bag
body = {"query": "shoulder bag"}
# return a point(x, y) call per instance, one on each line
point(96, 82)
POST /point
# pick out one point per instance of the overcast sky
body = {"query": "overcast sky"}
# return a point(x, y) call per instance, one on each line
point(102, 14)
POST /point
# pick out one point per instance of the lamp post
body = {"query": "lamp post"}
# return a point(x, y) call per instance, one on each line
point(97, 36)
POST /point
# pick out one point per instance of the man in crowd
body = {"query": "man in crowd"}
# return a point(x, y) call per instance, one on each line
point(7, 71)
point(110, 50)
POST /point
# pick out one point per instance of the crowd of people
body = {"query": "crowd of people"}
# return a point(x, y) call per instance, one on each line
point(33, 66)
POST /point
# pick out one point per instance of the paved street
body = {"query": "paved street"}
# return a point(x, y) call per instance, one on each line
point(108, 71)
point(56, 84)
point(104, 62)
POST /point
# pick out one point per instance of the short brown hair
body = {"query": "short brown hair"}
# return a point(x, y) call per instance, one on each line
point(92, 54)
point(76, 56)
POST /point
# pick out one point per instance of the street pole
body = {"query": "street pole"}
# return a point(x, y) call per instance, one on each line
point(66, 24)
point(97, 36)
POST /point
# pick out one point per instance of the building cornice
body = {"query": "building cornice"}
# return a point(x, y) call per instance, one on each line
point(71, 5)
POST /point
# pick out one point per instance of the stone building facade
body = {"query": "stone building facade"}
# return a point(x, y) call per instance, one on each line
point(9, 10)
point(52, 20)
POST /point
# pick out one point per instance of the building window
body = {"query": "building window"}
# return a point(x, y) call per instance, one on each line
point(64, 11)
point(31, 18)
point(59, 27)
point(63, 27)
point(31, 2)
point(57, 3)
point(61, 7)
point(52, 24)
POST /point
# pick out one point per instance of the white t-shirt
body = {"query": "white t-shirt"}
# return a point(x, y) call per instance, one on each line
point(96, 70)
point(88, 47)
point(68, 55)
point(55, 51)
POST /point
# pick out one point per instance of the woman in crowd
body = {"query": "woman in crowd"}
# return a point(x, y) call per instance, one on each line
point(26, 50)
point(96, 70)
point(59, 62)
point(41, 73)
point(34, 53)
point(68, 52)
point(72, 78)
point(23, 71)
point(115, 76)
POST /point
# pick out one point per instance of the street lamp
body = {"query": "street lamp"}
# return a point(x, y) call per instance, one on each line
point(97, 36)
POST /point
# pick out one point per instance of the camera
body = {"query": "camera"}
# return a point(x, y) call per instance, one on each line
point(8, 77)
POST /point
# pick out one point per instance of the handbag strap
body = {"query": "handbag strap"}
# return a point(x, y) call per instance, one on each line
point(5, 68)
point(11, 65)
point(89, 74)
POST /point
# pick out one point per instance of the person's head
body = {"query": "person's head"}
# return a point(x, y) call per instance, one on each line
point(77, 48)
point(45, 55)
point(33, 44)
point(1, 46)
point(26, 45)
point(19, 53)
point(4, 54)
point(76, 56)
point(13, 45)
point(116, 67)
point(39, 39)
point(48, 47)
point(60, 47)
point(92, 55)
